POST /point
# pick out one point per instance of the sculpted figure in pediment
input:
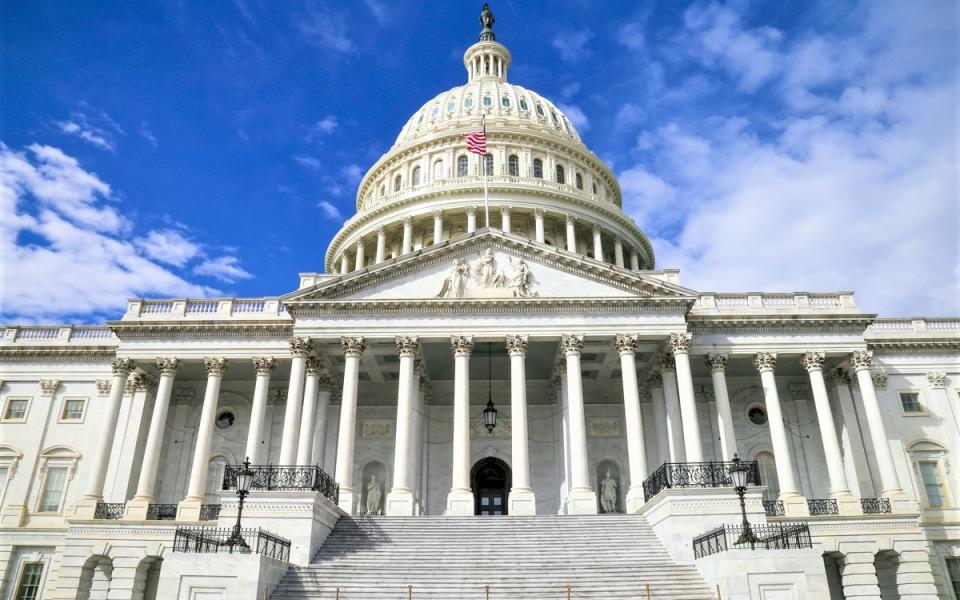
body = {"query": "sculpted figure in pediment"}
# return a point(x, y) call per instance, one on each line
point(485, 271)
point(521, 280)
point(455, 284)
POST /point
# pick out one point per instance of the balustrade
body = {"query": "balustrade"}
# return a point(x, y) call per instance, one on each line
point(779, 536)
point(275, 478)
point(695, 475)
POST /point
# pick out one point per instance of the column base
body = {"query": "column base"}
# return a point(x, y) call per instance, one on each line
point(400, 503)
point(137, 509)
point(522, 503)
point(346, 500)
point(634, 501)
point(189, 509)
point(86, 508)
point(582, 501)
point(900, 503)
point(460, 503)
point(794, 505)
point(847, 503)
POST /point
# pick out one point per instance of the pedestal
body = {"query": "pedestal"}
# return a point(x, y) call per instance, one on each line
point(848, 504)
point(137, 509)
point(86, 508)
point(460, 503)
point(900, 504)
point(581, 502)
point(522, 503)
point(400, 503)
point(634, 500)
point(346, 500)
point(189, 509)
point(794, 505)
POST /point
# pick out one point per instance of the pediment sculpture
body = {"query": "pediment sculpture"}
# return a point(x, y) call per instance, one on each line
point(484, 278)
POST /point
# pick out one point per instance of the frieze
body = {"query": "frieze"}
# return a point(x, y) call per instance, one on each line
point(202, 329)
point(604, 427)
point(58, 354)
point(438, 306)
point(376, 429)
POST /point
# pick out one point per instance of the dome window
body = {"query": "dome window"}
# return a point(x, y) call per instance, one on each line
point(561, 176)
point(579, 181)
point(435, 111)
point(513, 165)
point(556, 121)
point(540, 109)
point(594, 189)
point(487, 101)
point(396, 184)
point(488, 165)
point(382, 190)
point(416, 176)
point(462, 166)
point(420, 120)
point(468, 101)
point(451, 105)
point(538, 168)
point(523, 104)
point(505, 102)
point(438, 170)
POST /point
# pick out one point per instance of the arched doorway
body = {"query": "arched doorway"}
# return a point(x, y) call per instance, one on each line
point(490, 479)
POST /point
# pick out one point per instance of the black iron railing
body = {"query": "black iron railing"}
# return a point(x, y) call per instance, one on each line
point(773, 508)
point(209, 512)
point(822, 506)
point(779, 536)
point(876, 506)
point(109, 510)
point(215, 540)
point(695, 475)
point(161, 512)
point(270, 477)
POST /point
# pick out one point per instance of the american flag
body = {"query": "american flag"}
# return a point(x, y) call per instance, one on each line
point(477, 142)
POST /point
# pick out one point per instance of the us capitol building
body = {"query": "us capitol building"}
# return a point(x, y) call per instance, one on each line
point(517, 401)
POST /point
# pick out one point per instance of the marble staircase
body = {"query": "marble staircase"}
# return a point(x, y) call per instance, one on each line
point(520, 558)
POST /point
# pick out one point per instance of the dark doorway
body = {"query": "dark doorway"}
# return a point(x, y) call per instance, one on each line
point(490, 479)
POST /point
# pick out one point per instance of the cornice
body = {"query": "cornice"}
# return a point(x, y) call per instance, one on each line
point(906, 346)
point(760, 323)
point(58, 353)
point(202, 329)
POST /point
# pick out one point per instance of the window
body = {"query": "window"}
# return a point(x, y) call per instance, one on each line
point(488, 165)
point(382, 190)
point(523, 104)
point(594, 189)
point(540, 109)
point(561, 177)
point(438, 170)
point(579, 180)
point(73, 409)
point(225, 420)
point(487, 101)
point(396, 184)
point(4, 472)
point(556, 121)
point(451, 105)
point(416, 176)
point(953, 572)
point(538, 168)
point(420, 120)
point(757, 416)
point(910, 402)
point(468, 101)
point(30, 577)
point(462, 166)
point(513, 165)
point(53, 487)
point(16, 409)
point(932, 484)
point(505, 102)
point(435, 111)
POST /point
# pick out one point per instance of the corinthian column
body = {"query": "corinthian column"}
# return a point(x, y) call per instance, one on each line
point(400, 499)
point(101, 457)
point(471, 219)
point(728, 440)
point(671, 400)
point(353, 348)
point(381, 254)
point(264, 366)
point(189, 509)
point(460, 498)
point(538, 214)
point(324, 387)
point(407, 245)
point(437, 225)
point(299, 349)
point(618, 252)
point(137, 507)
point(308, 417)
point(597, 243)
point(522, 500)
point(581, 499)
point(680, 345)
point(571, 233)
point(626, 346)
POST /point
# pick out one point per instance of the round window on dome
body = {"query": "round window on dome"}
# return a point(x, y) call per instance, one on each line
point(487, 101)
point(505, 102)
point(523, 104)
point(468, 101)
point(539, 109)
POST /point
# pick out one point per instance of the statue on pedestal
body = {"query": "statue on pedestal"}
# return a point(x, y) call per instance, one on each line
point(374, 496)
point(608, 493)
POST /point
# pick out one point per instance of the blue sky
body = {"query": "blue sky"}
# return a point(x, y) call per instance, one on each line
point(213, 148)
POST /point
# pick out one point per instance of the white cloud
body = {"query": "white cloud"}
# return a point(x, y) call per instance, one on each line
point(147, 134)
point(168, 246)
point(631, 36)
point(352, 173)
point(325, 28)
point(379, 10)
point(324, 126)
point(576, 116)
point(310, 162)
point(330, 210)
point(224, 268)
point(100, 130)
point(572, 45)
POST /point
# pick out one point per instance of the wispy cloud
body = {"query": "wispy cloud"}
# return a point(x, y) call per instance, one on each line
point(225, 268)
point(573, 45)
point(330, 210)
point(322, 127)
point(379, 10)
point(310, 162)
point(326, 28)
point(576, 116)
point(147, 134)
point(99, 130)
point(168, 246)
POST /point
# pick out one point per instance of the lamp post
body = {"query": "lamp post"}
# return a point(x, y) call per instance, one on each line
point(739, 473)
point(489, 413)
point(244, 481)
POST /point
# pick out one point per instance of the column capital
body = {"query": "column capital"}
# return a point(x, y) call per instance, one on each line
point(360, 244)
point(407, 221)
point(937, 379)
point(717, 361)
point(626, 343)
point(215, 366)
point(597, 228)
point(462, 345)
point(103, 387)
point(299, 346)
point(472, 210)
point(122, 366)
point(655, 379)
point(880, 380)
point(136, 382)
point(765, 361)
point(517, 345)
point(168, 365)
point(665, 362)
point(353, 346)
point(324, 380)
point(381, 231)
point(48, 387)
point(839, 377)
point(813, 361)
point(505, 209)
point(539, 213)
point(571, 344)
point(680, 342)
point(571, 219)
point(264, 364)
point(861, 360)
point(437, 213)
point(407, 345)
point(313, 365)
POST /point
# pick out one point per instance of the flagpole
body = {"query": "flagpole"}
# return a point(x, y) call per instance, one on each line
point(483, 167)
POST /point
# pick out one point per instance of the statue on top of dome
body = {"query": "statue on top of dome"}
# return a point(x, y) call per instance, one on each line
point(487, 20)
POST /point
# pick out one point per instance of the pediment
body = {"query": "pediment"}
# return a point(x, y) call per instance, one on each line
point(489, 265)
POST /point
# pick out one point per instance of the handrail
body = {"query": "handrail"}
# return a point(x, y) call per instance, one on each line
point(277, 478)
point(696, 475)
point(776, 536)
point(220, 539)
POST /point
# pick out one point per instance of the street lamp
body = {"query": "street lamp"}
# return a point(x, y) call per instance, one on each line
point(244, 482)
point(489, 413)
point(739, 473)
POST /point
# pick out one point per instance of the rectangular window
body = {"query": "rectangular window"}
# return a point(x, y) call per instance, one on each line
point(4, 471)
point(53, 488)
point(73, 409)
point(16, 409)
point(29, 586)
point(930, 473)
point(953, 571)
point(910, 401)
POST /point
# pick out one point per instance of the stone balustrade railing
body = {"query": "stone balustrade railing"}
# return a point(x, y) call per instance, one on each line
point(774, 303)
point(58, 334)
point(205, 309)
point(920, 326)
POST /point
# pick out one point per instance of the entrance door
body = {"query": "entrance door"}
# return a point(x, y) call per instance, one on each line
point(491, 483)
